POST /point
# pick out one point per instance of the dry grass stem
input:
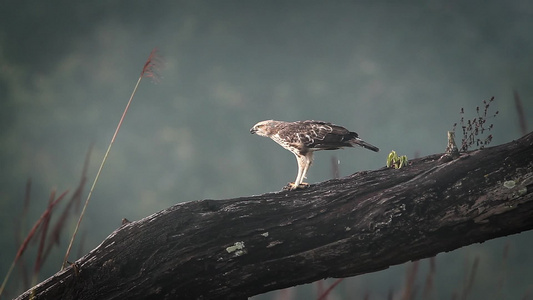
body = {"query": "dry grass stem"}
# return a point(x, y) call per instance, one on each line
point(149, 70)
point(29, 237)
point(520, 111)
point(324, 295)
point(409, 290)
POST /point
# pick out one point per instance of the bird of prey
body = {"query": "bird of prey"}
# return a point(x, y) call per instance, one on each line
point(302, 138)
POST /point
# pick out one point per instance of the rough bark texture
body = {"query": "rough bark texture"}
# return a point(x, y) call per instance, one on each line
point(236, 248)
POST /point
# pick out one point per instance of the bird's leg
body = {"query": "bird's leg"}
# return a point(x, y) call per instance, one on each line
point(303, 166)
point(294, 185)
point(299, 178)
point(307, 163)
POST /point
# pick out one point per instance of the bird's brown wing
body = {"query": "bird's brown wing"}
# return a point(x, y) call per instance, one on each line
point(319, 135)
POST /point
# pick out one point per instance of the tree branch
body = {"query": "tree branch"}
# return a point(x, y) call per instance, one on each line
point(236, 248)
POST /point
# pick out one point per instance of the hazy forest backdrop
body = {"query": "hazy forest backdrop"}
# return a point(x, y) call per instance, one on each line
point(398, 73)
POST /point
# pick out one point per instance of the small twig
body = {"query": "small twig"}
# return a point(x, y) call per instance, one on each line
point(149, 70)
point(474, 128)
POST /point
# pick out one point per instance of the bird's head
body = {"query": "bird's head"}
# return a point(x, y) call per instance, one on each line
point(264, 128)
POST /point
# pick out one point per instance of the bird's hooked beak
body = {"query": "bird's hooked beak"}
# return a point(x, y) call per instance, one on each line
point(253, 130)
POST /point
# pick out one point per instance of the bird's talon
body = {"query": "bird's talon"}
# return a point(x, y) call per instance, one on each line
point(291, 187)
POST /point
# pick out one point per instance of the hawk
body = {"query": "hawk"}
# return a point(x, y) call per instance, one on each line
point(302, 138)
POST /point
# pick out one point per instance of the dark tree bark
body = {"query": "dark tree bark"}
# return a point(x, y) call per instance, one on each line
point(236, 248)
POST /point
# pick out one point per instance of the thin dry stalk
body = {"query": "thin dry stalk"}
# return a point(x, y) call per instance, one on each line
point(430, 279)
point(366, 296)
point(28, 238)
point(320, 287)
point(335, 166)
point(520, 111)
point(330, 288)
point(471, 279)
point(454, 295)
point(39, 260)
point(27, 198)
point(503, 270)
point(75, 199)
point(149, 70)
point(285, 294)
point(527, 295)
point(409, 291)
point(19, 226)
point(19, 229)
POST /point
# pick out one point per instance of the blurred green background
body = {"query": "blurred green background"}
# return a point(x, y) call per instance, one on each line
point(396, 72)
